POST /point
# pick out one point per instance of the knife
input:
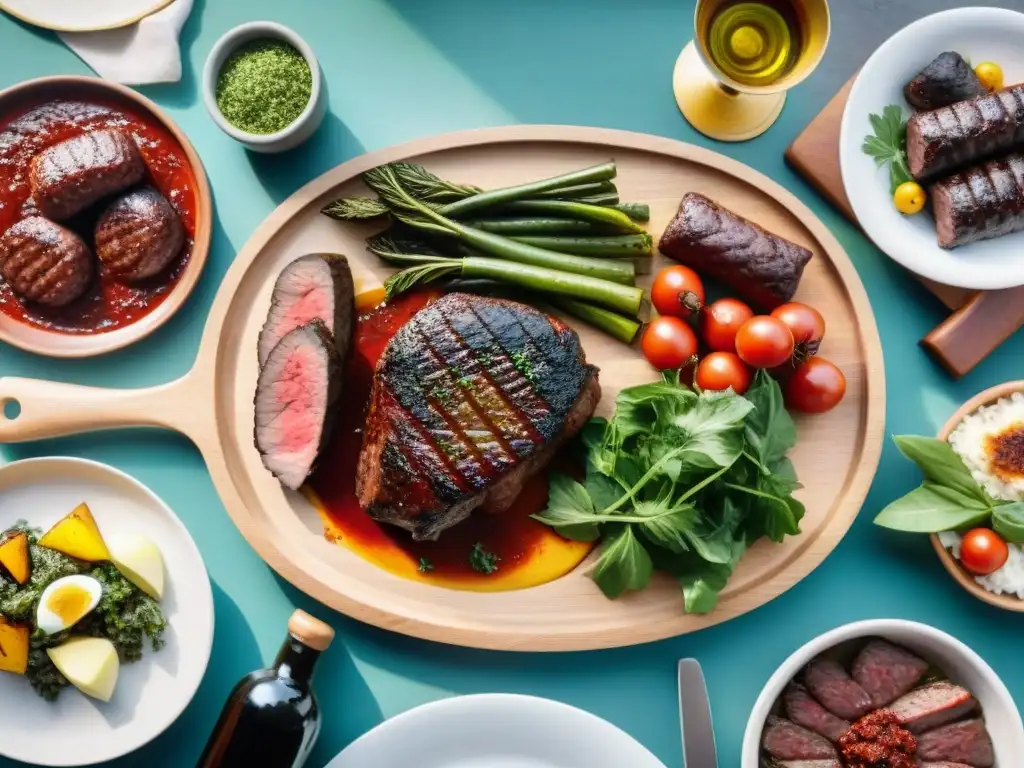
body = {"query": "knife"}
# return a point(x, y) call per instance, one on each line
point(695, 717)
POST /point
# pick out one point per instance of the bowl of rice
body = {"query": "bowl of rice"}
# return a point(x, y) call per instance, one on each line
point(987, 433)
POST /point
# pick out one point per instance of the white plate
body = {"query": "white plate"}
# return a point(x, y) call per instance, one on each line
point(151, 693)
point(81, 15)
point(496, 731)
point(978, 34)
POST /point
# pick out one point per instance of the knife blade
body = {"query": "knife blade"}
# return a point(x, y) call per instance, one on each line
point(699, 749)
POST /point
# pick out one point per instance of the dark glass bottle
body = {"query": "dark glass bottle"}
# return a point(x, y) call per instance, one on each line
point(271, 719)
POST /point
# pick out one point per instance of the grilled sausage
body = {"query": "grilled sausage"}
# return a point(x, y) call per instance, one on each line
point(139, 235)
point(949, 138)
point(72, 175)
point(45, 262)
point(980, 203)
point(763, 268)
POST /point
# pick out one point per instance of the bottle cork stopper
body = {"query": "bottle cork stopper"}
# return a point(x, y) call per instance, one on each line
point(310, 631)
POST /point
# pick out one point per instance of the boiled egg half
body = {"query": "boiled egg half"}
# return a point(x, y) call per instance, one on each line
point(66, 602)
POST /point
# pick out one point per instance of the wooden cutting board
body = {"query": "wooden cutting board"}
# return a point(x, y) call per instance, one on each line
point(980, 320)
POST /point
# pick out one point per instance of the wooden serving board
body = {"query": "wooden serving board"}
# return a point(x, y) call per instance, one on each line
point(836, 456)
point(980, 320)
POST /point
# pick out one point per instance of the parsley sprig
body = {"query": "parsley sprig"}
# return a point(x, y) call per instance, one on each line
point(888, 144)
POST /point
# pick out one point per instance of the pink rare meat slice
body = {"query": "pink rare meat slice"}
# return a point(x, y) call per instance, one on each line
point(965, 742)
point(933, 705)
point(887, 671)
point(831, 762)
point(804, 710)
point(785, 740)
point(839, 693)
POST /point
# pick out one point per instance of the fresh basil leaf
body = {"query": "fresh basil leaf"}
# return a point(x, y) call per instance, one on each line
point(643, 408)
point(940, 464)
point(570, 509)
point(1008, 522)
point(667, 525)
point(769, 429)
point(931, 508)
point(603, 490)
point(702, 585)
point(715, 531)
point(624, 564)
point(771, 510)
point(709, 433)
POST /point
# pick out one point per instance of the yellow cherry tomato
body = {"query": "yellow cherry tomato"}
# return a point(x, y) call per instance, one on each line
point(909, 198)
point(990, 74)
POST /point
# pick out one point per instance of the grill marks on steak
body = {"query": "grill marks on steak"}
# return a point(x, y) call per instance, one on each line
point(931, 706)
point(887, 671)
point(980, 203)
point(138, 235)
point(471, 396)
point(45, 262)
point(964, 742)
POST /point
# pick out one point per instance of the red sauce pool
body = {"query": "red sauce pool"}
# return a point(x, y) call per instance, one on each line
point(513, 536)
point(108, 304)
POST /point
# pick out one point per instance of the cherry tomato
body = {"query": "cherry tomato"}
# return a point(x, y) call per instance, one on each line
point(983, 551)
point(909, 198)
point(990, 74)
point(815, 387)
point(668, 343)
point(677, 291)
point(721, 370)
point(720, 321)
point(764, 342)
point(805, 323)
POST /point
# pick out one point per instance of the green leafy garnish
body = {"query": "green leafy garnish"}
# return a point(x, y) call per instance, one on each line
point(888, 144)
point(425, 565)
point(1008, 522)
point(681, 482)
point(483, 561)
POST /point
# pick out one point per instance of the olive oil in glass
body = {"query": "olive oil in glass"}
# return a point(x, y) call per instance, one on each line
point(271, 719)
point(755, 43)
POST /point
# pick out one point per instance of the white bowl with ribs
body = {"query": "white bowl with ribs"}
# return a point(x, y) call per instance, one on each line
point(904, 690)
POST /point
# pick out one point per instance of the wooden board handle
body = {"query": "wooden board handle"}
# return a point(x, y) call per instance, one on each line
point(977, 328)
point(51, 409)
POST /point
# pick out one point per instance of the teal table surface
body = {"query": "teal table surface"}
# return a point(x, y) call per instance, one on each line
point(401, 69)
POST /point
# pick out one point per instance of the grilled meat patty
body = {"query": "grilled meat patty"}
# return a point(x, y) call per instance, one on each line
point(45, 262)
point(980, 203)
point(947, 139)
point(471, 397)
point(139, 235)
point(947, 80)
point(763, 268)
point(72, 175)
point(314, 287)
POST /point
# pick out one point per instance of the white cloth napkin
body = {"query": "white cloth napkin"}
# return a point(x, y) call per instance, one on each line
point(146, 52)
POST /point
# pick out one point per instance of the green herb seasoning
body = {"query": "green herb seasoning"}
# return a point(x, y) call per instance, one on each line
point(264, 86)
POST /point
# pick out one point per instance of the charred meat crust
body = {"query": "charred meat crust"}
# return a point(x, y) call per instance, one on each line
point(947, 139)
point(763, 268)
point(45, 262)
point(138, 235)
point(472, 396)
point(947, 80)
point(72, 175)
point(980, 203)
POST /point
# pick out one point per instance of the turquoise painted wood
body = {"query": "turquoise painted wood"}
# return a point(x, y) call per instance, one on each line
point(408, 68)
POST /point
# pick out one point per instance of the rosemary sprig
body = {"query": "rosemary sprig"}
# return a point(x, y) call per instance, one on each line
point(355, 209)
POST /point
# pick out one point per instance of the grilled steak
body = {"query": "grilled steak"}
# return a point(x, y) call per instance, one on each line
point(804, 710)
point(788, 741)
point(980, 203)
point(72, 175)
point(45, 262)
point(947, 139)
point(942, 764)
point(471, 397)
point(139, 235)
point(887, 671)
point(947, 80)
point(835, 690)
point(295, 396)
point(763, 268)
point(964, 742)
point(314, 287)
point(832, 762)
point(933, 705)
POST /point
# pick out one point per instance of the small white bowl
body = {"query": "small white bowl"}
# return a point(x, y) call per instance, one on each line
point(954, 658)
point(304, 125)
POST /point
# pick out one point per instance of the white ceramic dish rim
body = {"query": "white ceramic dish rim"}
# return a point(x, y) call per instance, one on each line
point(874, 628)
point(128, 745)
point(900, 241)
point(457, 706)
point(113, 20)
point(225, 46)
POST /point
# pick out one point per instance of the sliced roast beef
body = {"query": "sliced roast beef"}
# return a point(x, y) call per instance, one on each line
point(887, 671)
point(839, 693)
point(941, 764)
point(139, 235)
point(788, 741)
point(947, 80)
point(314, 287)
point(45, 262)
point(964, 742)
point(804, 710)
point(831, 762)
point(933, 705)
point(471, 397)
point(295, 397)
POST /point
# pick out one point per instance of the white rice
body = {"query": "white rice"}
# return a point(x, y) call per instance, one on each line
point(968, 442)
